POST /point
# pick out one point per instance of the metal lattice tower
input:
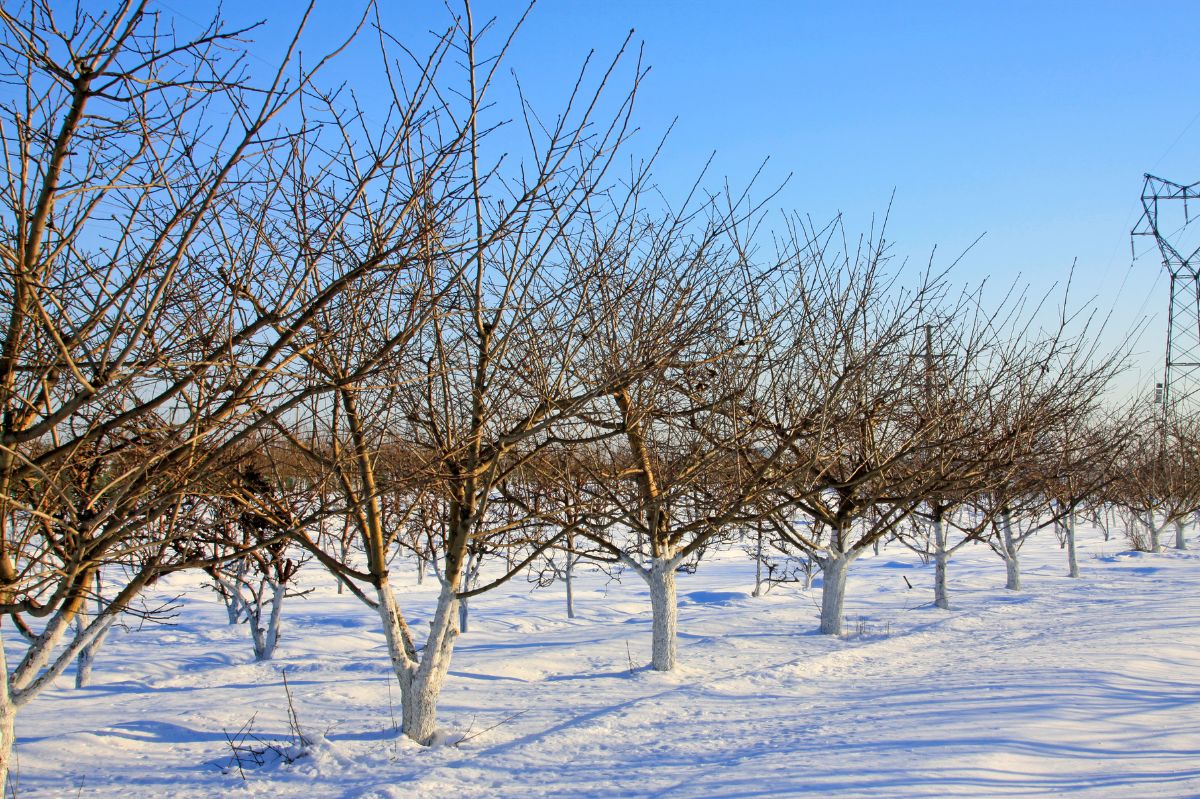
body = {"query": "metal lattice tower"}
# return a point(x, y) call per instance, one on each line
point(1166, 217)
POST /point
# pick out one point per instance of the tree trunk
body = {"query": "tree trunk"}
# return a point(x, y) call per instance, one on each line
point(231, 595)
point(1155, 533)
point(8, 717)
point(1012, 562)
point(420, 570)
point(941, 559)
point(87, 655)
point(665, 611)
point(833, 592)
point(258, 636)
point(266, 640)
point(1072, 559)
point(569, 579)
point(470, 573)
point(758, 564)
point(1180, 542)
point(395, 630)
point(421, 683)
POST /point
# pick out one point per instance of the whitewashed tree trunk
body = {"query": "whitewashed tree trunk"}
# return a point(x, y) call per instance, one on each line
point(87, 654)
point(8, 718)
point(1155, 533)
point(758, 547)
point(1180, 541)
point(1072, 559)
point(833, 591)
point(420, 678)
point(569, 581)
point(1012, 561)
point(37, 669)
point(230, 592)
point(266, 639)
point(395, 631)
point(941, 560)
point(665, 612)
point(469, 575)
point(420, 691)
point(420, 570)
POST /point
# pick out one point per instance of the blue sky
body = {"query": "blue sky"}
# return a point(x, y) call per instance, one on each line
point(1029, 122)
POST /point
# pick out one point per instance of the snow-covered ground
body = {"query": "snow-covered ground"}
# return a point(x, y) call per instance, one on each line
point(1085, 687)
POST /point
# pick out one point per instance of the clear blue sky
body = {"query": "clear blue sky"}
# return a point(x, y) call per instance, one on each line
point(1032, 122)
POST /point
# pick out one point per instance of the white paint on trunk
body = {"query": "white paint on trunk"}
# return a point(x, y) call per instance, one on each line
point(421, 686)
point(463, 621)
point(758, 563)
point(470, 575)
point(833, 591)
point(1180, 541)
point(8, 718)
point(665, 611)
point(395, 632)
point(229, 589)
point(569, 580)
point(87, 654)
point(37, 669)
point(1012, 562)
point(1072, 559)
point(941, 559)
point(420, 678)
point(1155, 533)
point(266, 639)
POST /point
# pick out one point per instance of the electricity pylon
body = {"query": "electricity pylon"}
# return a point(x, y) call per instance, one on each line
point(1166, 217)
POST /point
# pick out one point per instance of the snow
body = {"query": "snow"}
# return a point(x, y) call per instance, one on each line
point(1087, 687)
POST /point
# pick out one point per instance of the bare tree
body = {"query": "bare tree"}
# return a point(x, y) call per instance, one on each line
point(846, 402)
point(668, 473)
point(458, 368)
point(144, 309)
point(1154, 474)
point(253, 564)
point(1044, 446)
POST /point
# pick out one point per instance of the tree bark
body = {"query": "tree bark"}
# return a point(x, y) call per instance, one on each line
point(87, 655)
point(569, 579)
point(941, 559)
point(265, 640)
point(833, 592)
point(1180, 541)
point(1012, 562)
point(8, 717)
point(1155, 533)
point(1072, 558)
point(463, 620)
point(665, 612)
point(421, 683)
point(758, 546)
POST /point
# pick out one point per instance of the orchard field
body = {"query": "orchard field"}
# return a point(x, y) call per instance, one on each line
point(1078, 687)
